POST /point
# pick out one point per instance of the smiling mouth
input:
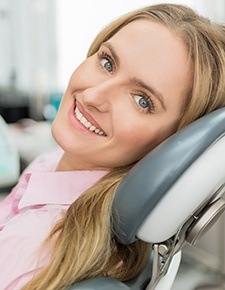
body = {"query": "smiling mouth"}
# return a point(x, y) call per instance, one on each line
point(87, 124)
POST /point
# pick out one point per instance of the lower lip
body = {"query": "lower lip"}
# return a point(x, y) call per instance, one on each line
point(76, 123)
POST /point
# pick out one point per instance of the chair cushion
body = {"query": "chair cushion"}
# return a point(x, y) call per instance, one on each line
point(151, 178)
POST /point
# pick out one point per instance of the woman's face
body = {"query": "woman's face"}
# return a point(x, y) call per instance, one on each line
point(125, 99)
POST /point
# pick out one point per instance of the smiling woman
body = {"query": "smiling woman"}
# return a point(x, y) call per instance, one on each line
point(147, 75)
point(119, 92)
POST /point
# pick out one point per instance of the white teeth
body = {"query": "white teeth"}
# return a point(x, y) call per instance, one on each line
point(87, 124)
point(83, 120)
point(78, 114)
point(92, 128)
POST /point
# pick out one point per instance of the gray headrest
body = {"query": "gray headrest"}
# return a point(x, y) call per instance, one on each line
point(150, 179)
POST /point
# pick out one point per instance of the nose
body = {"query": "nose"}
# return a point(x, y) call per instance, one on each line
point(99, 97)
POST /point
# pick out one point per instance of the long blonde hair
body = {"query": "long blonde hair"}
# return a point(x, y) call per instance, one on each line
point(83, 243)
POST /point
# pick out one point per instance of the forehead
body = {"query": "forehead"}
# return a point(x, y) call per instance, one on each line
point(154, 53)
point(146, 34)
point(150, 40)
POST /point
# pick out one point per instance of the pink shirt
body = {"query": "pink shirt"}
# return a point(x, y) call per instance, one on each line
point(30, 211)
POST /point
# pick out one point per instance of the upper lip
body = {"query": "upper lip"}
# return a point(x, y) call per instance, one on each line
point(87, 115)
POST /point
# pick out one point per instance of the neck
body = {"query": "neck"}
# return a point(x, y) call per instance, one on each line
point(71, 163)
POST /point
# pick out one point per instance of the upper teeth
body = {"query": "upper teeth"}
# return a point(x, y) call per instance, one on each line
point(87, 124)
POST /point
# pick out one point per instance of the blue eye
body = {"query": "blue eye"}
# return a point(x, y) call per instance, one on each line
point(107, 64)
point(143, 102)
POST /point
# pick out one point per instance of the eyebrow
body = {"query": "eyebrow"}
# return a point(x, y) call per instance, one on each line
point(135, 80)
point(113, 52)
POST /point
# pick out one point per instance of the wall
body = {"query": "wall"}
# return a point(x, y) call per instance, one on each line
point(79, 22)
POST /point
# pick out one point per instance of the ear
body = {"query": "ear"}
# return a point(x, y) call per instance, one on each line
point(172, 182)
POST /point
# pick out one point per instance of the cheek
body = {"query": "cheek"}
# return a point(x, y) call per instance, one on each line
point(84, 76)
point(139, 140)
point(134, 138)
point(78, 79)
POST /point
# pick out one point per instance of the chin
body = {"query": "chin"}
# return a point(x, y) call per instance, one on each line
point(58, 134)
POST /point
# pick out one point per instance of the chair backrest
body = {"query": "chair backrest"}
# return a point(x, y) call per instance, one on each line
point(173, 195)
point(154, 179)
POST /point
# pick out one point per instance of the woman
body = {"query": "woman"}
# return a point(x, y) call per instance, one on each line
point(147, 75)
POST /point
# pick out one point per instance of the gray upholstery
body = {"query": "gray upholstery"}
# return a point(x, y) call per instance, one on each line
point(101, 283)
point(152, 177)
point(139, 282)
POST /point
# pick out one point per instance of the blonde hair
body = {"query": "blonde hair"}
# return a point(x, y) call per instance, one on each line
point(205, 43)
point(83, 243)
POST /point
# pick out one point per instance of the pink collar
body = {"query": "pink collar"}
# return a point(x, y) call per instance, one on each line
point(57, 187)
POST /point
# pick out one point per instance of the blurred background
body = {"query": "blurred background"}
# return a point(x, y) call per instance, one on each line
point(41, 43)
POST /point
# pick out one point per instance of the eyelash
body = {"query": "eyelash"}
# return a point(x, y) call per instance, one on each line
point(151, 107)
point(105, 56)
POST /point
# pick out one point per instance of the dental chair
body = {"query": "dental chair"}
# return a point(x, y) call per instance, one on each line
point(171, 197)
